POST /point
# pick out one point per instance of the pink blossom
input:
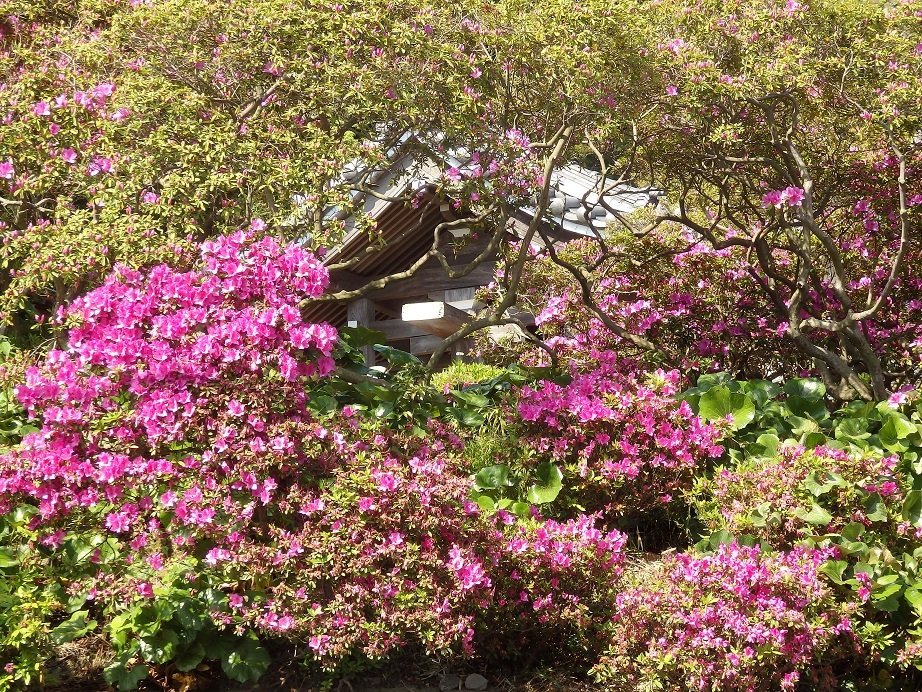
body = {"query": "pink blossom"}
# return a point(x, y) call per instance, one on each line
point(100, 164)
point(793, 196)
point(773, 199)
point(117, 522)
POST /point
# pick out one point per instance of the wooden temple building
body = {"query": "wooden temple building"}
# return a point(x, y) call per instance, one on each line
point(417, 313)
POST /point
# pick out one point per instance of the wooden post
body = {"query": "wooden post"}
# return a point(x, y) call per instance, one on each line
point(361, 313)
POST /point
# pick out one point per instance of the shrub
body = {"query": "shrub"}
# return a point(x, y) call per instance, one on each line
point(625, 444)
point(736, 619)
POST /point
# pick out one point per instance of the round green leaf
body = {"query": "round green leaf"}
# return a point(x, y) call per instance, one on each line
point(805, 388)
point(492, 477)
point(550, 482)
point(719, 402)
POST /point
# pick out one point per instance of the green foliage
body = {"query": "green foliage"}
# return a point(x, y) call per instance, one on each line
point(177, 628)
point(13, 420)
point(799, 473)
point(31, 598)
point(460, 374)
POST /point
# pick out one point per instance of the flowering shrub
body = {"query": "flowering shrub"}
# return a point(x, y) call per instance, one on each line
point(177, 444)
point(162, 366)
point(627, 445)
point(555, 588)
point(702, 309)
point(784, 497)
point(736, 619)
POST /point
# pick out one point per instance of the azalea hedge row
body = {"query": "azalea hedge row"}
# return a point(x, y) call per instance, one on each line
point(200, 481)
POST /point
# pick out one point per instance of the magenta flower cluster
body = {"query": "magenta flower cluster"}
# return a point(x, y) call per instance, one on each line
point(149, 364)
point(735, 619)
point(777, 487)
point(619, 434)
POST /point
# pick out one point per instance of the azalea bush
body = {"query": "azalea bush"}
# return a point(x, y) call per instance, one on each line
point(735, 619)
point(182, 485)
point(845, 479)
point(624, 443)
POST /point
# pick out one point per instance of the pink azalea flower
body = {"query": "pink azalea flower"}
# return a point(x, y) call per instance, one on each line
point(793, 196)
point(672, 90)
point(100, 164)
point(68, 155)
point(41, 109)
point(117, 522)
point(772, 199)
point(6, 169)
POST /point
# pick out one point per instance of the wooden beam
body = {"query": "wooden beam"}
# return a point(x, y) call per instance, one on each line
point(423, 282)
point(462, 298)
point(361, 313)
point(424, 345)
point(436, 317)
point(397, 330)
point(342, 280)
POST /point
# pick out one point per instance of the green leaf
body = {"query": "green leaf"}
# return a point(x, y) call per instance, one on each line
point(471, 398)
point(853, 429)
point(719, 402)
point(23, 513)
point(190, 657)
point(492, 477)
point(190, 615)
point(485, 502)
point(913, 596)
point(8, 558)
point(247, 662)
point(118, 672)
point(159, 647)
point(708, 381)
point(396, 356)
point(466, 417)
point(894, 433)
point(805, 388)
point(550, 482)
point(853, 531)
point(802, 426)
point(74, 628)
point(813, 440)
point(875, 508)
point(912, 507)
point(323, 403)
point(373, 393)
point(816, 515)
point(834, 569)
point(806, 408)
point(384, 409)
point(760, 391)
point(521, 509)
point(768, 442)
point(356, 337)
point(817, 488)
point(720, 537)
